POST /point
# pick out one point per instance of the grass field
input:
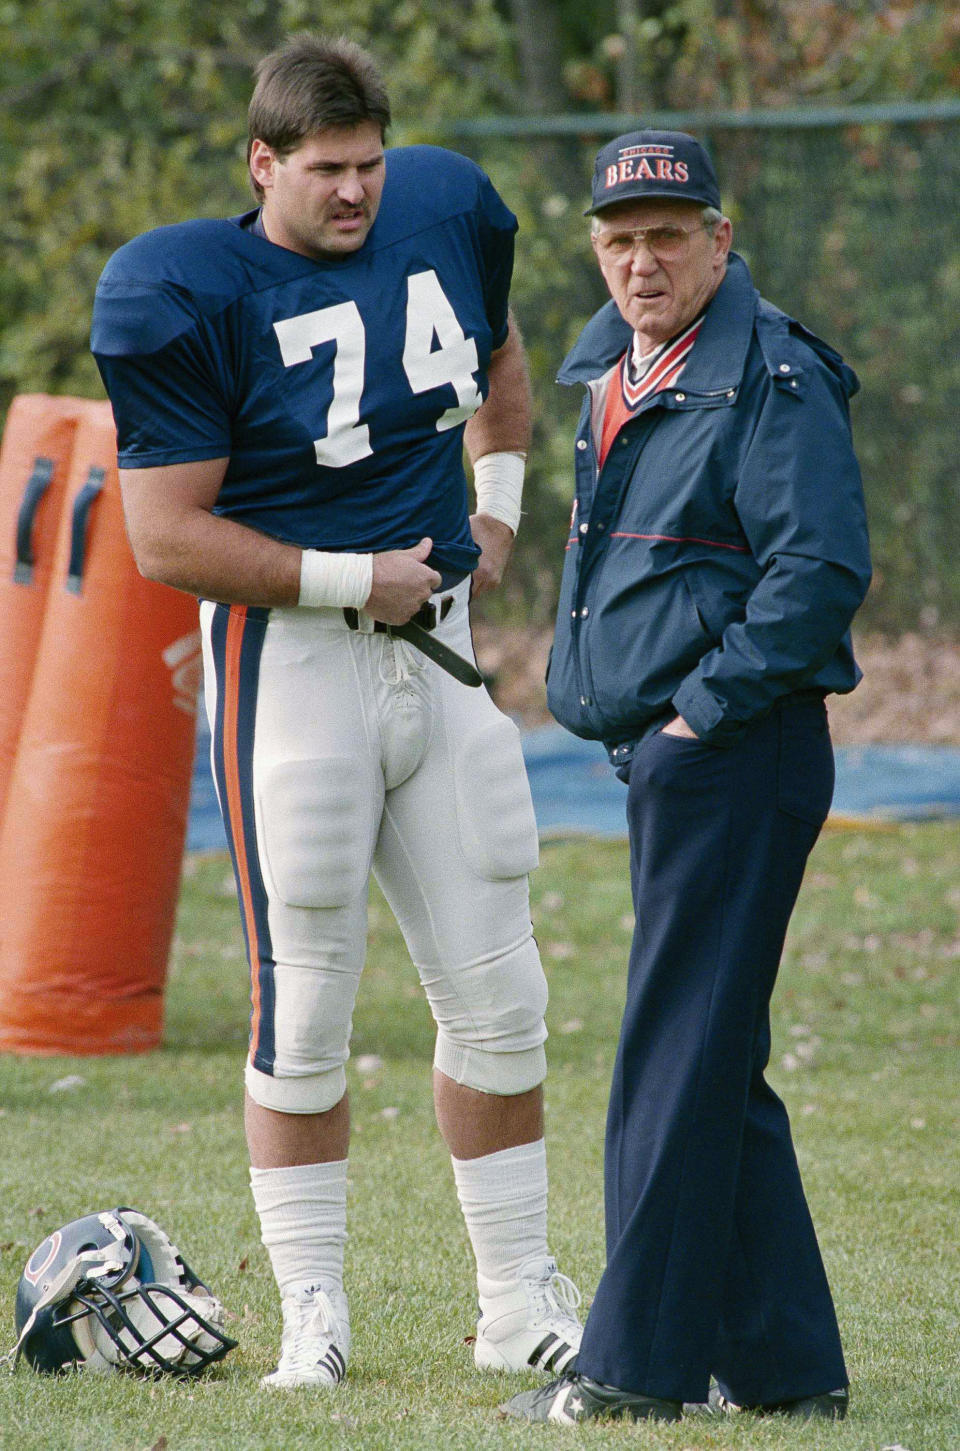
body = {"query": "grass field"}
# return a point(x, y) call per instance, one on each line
point(864, 1054)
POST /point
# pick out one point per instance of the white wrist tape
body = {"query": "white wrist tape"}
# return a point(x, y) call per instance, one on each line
point(335, 579)
point(498, 480)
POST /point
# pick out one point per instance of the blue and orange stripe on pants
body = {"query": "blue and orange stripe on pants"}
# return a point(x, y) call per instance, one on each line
point(237, 635)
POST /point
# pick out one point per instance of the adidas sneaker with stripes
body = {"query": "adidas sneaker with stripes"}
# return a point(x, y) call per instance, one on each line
point(533, 1325)
point(316, 1339)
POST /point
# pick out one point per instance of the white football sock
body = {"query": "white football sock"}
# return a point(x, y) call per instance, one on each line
point(504, 1201)
point(303, 1222)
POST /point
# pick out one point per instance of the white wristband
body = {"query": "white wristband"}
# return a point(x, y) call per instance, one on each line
point(498, 480)
point(335, 579)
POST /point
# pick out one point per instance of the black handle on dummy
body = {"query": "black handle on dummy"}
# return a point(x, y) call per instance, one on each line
point(79, 528)
point(37, 485)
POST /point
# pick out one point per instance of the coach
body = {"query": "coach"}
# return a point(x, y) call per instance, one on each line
point(718, 552)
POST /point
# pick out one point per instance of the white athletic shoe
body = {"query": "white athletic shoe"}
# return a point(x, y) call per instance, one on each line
point(533, 1325)
point(316, 1339)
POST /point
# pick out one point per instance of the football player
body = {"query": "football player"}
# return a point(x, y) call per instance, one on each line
point(293, 389)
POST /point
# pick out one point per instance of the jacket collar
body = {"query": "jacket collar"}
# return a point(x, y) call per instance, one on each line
point(717, 360)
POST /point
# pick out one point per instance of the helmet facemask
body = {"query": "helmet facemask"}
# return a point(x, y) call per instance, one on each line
point(132, 1303)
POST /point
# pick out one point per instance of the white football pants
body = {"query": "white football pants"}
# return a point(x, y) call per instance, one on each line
point(338, 751)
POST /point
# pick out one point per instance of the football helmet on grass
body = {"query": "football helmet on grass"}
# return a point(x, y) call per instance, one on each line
point(111, 1291)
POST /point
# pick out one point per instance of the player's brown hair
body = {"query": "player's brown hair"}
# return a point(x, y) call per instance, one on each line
point(309, 84)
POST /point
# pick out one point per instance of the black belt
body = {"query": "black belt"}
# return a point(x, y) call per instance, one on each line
point(427, 617)
point(417, 632)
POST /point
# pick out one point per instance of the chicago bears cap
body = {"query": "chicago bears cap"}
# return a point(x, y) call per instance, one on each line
point(653, 164)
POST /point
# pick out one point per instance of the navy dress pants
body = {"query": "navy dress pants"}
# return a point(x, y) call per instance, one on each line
point(712, 1261)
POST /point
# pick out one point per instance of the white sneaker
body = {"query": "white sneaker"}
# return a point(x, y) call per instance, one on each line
point(316, 1339)
point(533, 1325)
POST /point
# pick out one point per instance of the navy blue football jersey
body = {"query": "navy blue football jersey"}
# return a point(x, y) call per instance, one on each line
point(338, 389)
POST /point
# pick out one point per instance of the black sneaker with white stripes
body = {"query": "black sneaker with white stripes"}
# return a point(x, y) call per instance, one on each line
point(532, 1326)
point(575, 1398)
point(316, 1339)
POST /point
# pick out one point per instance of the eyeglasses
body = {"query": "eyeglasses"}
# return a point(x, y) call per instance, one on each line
point(668, 243)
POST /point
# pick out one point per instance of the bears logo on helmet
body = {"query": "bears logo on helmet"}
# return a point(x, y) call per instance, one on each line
point(112, 1291)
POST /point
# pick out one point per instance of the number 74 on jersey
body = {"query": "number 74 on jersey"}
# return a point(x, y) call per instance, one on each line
point(429, 314)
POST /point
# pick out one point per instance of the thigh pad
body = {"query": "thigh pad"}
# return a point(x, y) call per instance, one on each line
point(314, 816)
point(498, 830)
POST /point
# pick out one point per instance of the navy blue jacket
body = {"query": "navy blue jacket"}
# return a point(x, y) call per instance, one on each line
point(717, 560)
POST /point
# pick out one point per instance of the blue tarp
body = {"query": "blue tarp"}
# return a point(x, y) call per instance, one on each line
point(576, 793)
point(574, 789)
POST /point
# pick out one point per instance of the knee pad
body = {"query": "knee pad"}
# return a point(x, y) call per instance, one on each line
point(497, 1046)
point(314, 817)
point(503, 1074)
point(309, 1093)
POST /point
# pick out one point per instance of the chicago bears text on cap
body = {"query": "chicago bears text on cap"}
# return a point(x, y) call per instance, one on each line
point(653, 164)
